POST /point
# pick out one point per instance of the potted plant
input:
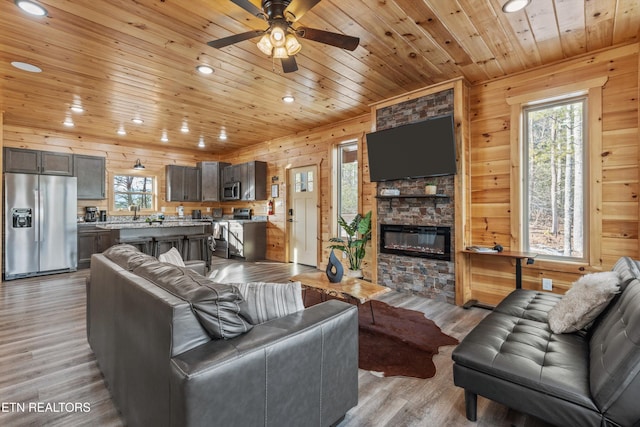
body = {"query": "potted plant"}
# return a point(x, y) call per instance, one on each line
point(430, 188)
point(358, 233)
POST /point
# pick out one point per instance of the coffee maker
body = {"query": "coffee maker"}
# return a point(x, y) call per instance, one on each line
point(90, 213)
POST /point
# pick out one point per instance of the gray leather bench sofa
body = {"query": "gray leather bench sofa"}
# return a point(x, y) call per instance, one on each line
point(175, 350)
point(585, 378)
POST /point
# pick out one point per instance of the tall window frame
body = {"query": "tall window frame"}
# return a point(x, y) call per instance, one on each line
point(347, 182)
point(593, 88)
point(124, 188)
point(555, 178)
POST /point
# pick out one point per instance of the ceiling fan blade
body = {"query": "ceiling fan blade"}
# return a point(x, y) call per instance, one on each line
point(226, 41)
point(297, 8)
point(289, 64)
point(249, 7)
point(327, 37)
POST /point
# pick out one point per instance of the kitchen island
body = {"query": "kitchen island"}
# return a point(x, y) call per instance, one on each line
point(154, 238)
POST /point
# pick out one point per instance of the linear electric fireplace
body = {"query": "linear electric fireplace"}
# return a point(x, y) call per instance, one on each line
point(416, 240)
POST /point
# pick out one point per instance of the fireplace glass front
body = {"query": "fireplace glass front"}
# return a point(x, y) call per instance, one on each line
point(416, 240)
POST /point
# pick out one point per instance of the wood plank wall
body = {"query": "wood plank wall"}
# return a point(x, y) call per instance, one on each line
point(304, 149)
point(492, 181)
point(120, 157)
point(489, 216)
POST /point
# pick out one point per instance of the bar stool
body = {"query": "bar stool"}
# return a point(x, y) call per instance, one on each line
point(162, 244)
point(144, 244)
point(201, 241)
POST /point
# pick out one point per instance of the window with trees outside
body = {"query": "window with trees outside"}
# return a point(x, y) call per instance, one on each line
point(347, 182)
point(555, 214)
point(130, 191)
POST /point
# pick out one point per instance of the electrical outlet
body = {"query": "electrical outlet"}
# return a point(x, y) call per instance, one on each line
point(162, 209)
point(547, 284)
point(208, 209)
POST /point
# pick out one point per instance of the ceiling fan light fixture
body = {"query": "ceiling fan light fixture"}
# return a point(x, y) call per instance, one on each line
point(265, 45)
point(292, 45)
point(511, 6)
point(277, 36)
point(280, 52)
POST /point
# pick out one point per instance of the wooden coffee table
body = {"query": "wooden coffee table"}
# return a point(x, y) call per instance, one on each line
point(349, 288)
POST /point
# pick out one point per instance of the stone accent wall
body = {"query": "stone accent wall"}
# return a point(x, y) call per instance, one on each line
point(426, 277)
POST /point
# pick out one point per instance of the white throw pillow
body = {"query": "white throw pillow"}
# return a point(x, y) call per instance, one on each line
point(586, 299)
point(266, 301)
point(172, 256)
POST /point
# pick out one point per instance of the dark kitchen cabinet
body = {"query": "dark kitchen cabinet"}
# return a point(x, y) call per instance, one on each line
point(183, 183)
point(91, 240)
point(211, 180)
point(252, 177)
point(91, 174)
point(19, 160)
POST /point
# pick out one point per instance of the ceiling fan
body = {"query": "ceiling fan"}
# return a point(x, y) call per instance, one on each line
point(279, 40)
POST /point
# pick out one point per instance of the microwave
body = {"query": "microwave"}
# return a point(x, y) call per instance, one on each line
point(231, 191)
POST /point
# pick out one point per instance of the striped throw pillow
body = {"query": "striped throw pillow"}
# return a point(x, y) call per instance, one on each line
point(267, 301)
point(172, 256)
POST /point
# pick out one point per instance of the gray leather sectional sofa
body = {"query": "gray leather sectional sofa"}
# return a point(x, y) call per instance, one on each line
point(175, 350)
point(586, 378)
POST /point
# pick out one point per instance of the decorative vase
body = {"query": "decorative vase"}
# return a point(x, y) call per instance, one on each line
point(334, 269)
point(430, 189)
point(355, 274)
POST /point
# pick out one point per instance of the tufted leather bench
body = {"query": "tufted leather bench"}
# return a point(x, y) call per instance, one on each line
point(587, 378)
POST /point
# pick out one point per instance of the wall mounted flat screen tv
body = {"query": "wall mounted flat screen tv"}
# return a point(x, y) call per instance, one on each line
point(416, 150)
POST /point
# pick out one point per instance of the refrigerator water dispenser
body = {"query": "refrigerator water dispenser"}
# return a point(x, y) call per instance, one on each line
point(21, 217)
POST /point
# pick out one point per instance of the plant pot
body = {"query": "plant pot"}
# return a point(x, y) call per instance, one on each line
point(354, 274)
point(430, 189)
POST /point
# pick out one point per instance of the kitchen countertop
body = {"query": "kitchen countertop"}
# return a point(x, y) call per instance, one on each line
point(144, 224)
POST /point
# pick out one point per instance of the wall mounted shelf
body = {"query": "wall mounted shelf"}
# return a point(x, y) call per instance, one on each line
point(434, 197)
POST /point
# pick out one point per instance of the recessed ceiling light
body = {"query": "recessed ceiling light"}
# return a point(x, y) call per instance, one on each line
point(24, 66)
point(121, 131)
point(77, 108)
point(68, 122)
point(514, 5)
point(223, 136)
point(164, 137)
point(201, 142)
point(31, 8)
point(204, 69)
point(184, 128)
point(137, 120)
point(288, 99)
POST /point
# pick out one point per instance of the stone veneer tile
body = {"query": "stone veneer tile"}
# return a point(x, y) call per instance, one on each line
point(426, 277)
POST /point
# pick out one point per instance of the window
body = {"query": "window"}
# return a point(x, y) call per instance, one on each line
point(304, 182)
point(347, 182)
point(554, 153)
point(131, 191)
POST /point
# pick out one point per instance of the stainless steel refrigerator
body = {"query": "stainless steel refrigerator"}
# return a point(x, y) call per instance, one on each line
point(40, 231)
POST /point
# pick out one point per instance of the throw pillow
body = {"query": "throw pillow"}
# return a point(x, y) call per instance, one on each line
point(172, 256)
point(586, 299)
point(218, 307)
point(266, 301)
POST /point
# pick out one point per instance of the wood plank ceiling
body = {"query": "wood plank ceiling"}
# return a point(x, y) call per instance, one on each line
point(127, 58)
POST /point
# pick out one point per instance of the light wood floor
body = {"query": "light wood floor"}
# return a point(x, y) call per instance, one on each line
point(45, 359)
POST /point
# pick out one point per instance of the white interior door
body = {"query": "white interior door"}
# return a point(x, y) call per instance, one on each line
point(303, 215)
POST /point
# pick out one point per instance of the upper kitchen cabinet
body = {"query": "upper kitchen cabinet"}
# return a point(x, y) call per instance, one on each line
point(183, 183)
point(91, 174)
point(19, 160)
point(252, 177)
point(211, 180)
